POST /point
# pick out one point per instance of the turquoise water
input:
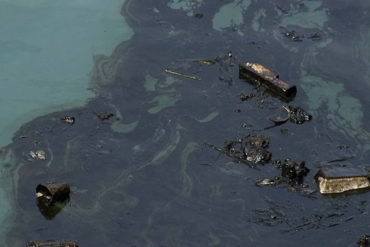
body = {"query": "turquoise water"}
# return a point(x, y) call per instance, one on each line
point(46, 56)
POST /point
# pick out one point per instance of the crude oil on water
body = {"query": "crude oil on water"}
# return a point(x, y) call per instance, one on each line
point(138, 154)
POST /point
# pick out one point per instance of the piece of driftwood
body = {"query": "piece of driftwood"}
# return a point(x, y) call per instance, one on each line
point(260, 75)
point(341, 179)
point(170, 71)
point(52, 243)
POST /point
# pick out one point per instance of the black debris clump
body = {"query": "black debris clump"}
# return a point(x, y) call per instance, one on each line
point(244, 96)
point(103, 117)
point(252, 151)
point(294, 172)
point(298, 116)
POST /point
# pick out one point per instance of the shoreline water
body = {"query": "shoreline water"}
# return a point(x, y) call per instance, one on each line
point(47, 57)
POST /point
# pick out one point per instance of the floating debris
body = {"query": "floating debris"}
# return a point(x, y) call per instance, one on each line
point(68, 120)
point(364, 241)
point(198, 15)
point(38, 155)
point(261, 76)
point(315, 36)
point(52, 198)
point(244, 97)
point(259, 141)
point(205, 62)
point(52, 243)
point(53, 192)
point(226, 61)
point(295, 114)
point(49, 211)
point(298, 115)
point(293, 36)
point(281, 116)
point(193, 77)
point(268, 181)
point(341, 179)
point(105, 116)
point(253, 151)
point(294, 172)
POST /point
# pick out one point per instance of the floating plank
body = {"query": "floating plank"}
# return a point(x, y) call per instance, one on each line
point(258, 74)
point(341, 179)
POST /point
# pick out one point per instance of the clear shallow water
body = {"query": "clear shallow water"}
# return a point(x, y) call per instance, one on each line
point(147, 179)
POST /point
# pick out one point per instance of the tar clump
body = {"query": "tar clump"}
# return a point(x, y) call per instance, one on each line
point(364, 241)
point(294, 114)
point(294, 172)
point(298, 115)
point(253, 150)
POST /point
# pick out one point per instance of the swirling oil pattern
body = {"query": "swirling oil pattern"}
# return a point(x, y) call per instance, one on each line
point(144, 177)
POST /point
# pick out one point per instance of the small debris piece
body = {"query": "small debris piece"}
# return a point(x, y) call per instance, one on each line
point(315, 36)
point(281, 116)
point(52, 243)
point(341, 179)
point(237, 110)
point(293, 171)
point(38, 155)
point(53, 192)
point(268, 181)
point(253, 151)
point(364, 241)
point(295, 114)
point(105, 116)
point(244, 97)
point(206, 62)
point(33, 155)
point(284, 131)
point(225, 61)
point(298, 115)
point(259, 75)
point(68, 120)
point(198, 15)
point(293, 36)
point(259, 141)
point(193, 77)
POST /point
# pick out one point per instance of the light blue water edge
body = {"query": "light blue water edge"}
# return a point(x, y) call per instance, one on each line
point(46, 56)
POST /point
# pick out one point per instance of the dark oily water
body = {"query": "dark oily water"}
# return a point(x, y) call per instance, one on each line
point(144, 177)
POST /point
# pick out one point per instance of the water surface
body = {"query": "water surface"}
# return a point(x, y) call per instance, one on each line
point(145, 177)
